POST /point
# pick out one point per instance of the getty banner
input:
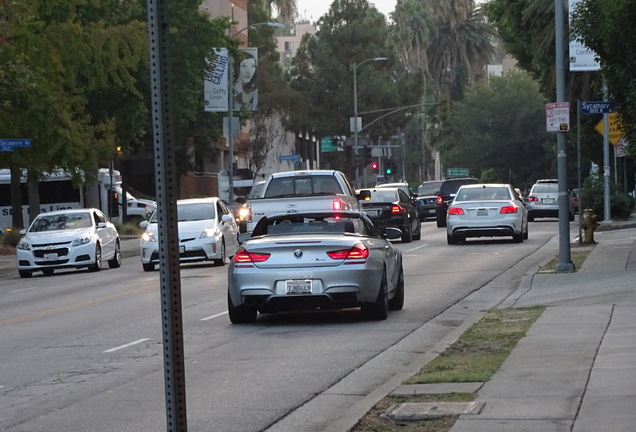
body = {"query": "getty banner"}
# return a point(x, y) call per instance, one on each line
point(244, 81)
point(581, 57)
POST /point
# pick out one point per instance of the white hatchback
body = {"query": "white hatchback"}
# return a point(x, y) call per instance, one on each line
point(207, 232)
point(73, 238)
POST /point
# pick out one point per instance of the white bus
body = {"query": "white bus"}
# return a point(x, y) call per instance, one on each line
point(57, 192)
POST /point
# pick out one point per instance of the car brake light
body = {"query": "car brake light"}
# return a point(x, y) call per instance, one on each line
point(243, 256)
point(337, 205)
point(457, 211)
point(396, 209)
point(532, 199)
point(357, 252)
point(509, 209)
point(439, 200)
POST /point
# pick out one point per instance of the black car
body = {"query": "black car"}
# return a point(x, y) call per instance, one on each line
point(447, 191)
point(391, 207)
point(426, 196)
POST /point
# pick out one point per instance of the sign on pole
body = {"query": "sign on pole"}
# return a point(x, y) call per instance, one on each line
point(615, 131)
point(597, 107)
point(458, 172)
point(10, 144)
point(215, 86)
point(557, 117)
point(581, 57)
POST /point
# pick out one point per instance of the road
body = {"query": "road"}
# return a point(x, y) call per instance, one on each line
point(82, 351)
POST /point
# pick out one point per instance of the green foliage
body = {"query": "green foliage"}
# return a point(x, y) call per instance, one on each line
point(484, 137)
point(11, 238)
point(323, 70)
point(593, 196)
point(606, 27)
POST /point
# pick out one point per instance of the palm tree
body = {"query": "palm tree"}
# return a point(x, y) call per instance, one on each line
point(287, 10)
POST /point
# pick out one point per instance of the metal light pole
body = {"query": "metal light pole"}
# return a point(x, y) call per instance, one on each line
point(565, 261)
point(355, 111)
point(230, 93)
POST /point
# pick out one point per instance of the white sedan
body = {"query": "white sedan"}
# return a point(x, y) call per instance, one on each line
point(486, 210)
point(73, 238)
point(207, 232)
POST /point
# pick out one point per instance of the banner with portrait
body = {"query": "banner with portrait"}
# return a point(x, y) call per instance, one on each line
point(245, 80)
point(215, 84)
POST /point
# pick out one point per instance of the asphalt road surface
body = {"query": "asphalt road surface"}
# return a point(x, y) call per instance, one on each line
point(82, 351)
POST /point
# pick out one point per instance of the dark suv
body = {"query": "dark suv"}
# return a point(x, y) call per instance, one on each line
point(447, 191)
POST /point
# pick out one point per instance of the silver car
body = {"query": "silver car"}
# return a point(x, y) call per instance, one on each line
point(316, 261)
point(207, 232)
point(486, 210)
point(543, 200)
point(63, 239)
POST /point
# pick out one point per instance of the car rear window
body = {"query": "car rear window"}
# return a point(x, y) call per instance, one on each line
point(545, 188)
point(299, 186)
point(382, 196)
point(483, 194)
point(451, 186)
point(428, 189)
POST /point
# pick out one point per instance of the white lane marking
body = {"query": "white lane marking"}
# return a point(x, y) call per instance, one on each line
point(126, 345)
point(214, 316)
point(416, 248)
point(22, 289)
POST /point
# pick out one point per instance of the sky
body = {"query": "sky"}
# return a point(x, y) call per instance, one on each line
point(314, 9)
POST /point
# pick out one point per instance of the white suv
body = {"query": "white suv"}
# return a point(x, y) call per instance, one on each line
point(543, 200)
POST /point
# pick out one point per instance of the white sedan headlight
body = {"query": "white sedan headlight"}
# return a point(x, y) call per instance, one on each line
point(24, 246)
point(209, 232)
point(148, 237)
point(81, 240)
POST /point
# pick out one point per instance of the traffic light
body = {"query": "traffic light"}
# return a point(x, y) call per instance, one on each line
point(359, 162)
point(367, 155)
point(374, 167)
point(388, 170)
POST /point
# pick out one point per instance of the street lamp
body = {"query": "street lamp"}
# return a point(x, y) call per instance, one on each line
point(355, 109)
point(230, 172)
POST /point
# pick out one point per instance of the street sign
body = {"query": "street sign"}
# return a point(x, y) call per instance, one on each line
point(458, 172)
point(10, 144)
point(615, 132)
point(597, 107)
point(327, 144)
point(557, 116)
point(290, 157)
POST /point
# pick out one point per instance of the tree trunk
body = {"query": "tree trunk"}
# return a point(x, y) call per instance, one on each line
point(16, 198)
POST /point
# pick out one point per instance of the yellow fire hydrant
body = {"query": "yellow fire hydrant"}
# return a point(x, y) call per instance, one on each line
point(589, 225)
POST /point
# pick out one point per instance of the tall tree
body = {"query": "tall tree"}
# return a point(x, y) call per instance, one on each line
point(483, 135)
point(351, 33)
point(606, 26)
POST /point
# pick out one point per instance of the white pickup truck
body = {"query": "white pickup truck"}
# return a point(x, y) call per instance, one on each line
point(299, 191)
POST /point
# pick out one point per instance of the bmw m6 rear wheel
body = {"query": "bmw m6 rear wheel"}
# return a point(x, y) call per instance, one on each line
point(379, 309)
point(240, 314)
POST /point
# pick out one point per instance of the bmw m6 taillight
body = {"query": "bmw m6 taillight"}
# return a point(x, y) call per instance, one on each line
point(356, 253)
point(243, 256)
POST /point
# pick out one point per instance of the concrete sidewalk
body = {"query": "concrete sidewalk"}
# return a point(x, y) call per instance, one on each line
point(576, 368)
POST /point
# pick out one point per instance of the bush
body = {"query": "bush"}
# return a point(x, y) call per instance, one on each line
point(593, 196)
point(11, 238)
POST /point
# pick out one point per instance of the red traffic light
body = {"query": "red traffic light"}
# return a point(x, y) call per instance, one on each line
point(374, 165)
